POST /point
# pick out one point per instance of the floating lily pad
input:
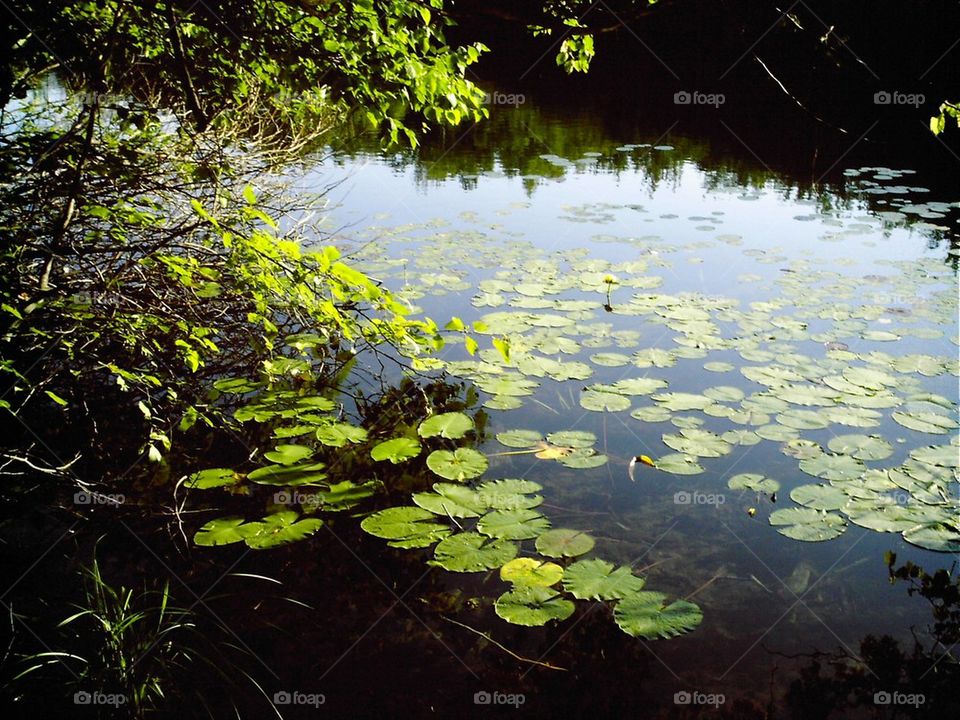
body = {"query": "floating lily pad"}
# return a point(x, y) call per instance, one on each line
point(682, 401)
point(278, 529)
point(562, 542)
point(396, 450)
point(803, 419)
point(646, 614)
point(679, 464)
point(942, 455)
point(819, 497)
point(532, 606)
point(572, 438)
point(939, 536)
point(288, 454)
point(862, 447)
point(339, 434)
point(609, 359)
point(290, 475)
point(603, 401)
point(519, 438)
point(406, 527)
point(833, 467)
point(461, 464)
point(509, 494)
point(212, 478)
point(701, 443)
point(651, 414)
point(452, 500)
point(807, 524)
point(452, 425)
point(528, 571)
point(222, 531)
point(598, 580)
point(926, 422)
point(753, 481)
point(521, 524)
point(472, 552)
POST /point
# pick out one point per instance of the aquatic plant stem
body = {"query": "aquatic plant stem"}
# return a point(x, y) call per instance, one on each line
point(507, 650)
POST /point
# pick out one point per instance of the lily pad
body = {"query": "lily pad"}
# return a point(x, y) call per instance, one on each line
point(222, 531)
point(603, 401)
point(753, 481)
point(278, 529)
point(212, 478)
point(679, 464)
point(509, 494)
point(521, 524)
point(572, 438)
point(528, 571)
point(406, 527)
point(288, 454)
point(598, 580)
point(289, 475)
point(452, 500)
point(451, 425)
point(339, 434)
point(819, 497)
point(833, 467)
point(939, 536)
point(646, 614)
point(697, 442)
point(519, 438)
point(941, 455)
point(862, 447)
point(396, 450)
point(532, 606)
point(461, 464)
point(472, 552)
point(926, 422)
point(807, 524)
point(563, 542)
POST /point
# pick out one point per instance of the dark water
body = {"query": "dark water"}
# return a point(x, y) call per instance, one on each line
point(518, 199)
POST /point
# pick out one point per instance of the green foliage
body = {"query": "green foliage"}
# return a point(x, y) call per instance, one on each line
point(938, 123)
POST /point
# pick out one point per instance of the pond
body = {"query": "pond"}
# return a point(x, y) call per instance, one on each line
point(785, 356)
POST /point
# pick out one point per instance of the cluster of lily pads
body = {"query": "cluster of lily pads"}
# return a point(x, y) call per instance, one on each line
point(820, 355)
point(482, 528)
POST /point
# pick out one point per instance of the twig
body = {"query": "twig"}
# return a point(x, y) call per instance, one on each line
point(507, 650)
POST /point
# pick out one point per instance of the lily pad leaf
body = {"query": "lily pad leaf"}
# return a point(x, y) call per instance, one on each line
point(862, 447)
point(679, 464)
point(461, 464)
point(599, 401)
point(451, 500)
point(222, 531)
point(807, 524)
point(572, 438)
point(278, 529)
point(531, 605)
point(833, 467)
point(646, 615)
point(939, 536)
point(519, 438)
point(288, 454)
point(451, 425)
point(289, 475)
point(396, 450)
point(406, 527)
point(753, 481)
point(697, 442)
point(598, 580)
point(212, 478)
point(941, 455)
point(519, 524)
point(819, 497)
point(528, 571)
point(339, 434)
point(472, 552)
point(509, 494)
point(564, 542)
point(926, 422)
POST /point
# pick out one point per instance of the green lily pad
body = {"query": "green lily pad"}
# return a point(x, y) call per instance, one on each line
point(682, 401)
point(646, 614)
point(572, 438)
point(803, 419)
point(278, 529)
point(697, 442)
point(582, 459)
point(862, 447)
point(638, 386)
point(509, 494)
point(609, 359)
point(406, 527)
point(461, 464)
point(532, 606)
point(289, 475)
point(939, 536)
point(853, 416)
point(451, 500)
point(603, 401)
point(396, 450)
point(519, 438)
point(819, 497)
point(679, 464)
point(212, 478)
point(288, 454)
point(472, 552)
point(598, 580)
point(522, 524)
point(563, 542)
point(528, 571)
point(926, 422)
point(222, 531)
point(753, 481)
point(339, 434)
point(833, 467)
point(452, 425)
point(651, 414)
point(807, 524)
point(941, 455)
